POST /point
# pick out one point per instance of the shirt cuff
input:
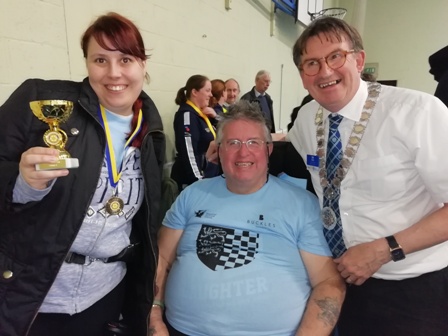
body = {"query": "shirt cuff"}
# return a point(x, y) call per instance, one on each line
point(24, 193)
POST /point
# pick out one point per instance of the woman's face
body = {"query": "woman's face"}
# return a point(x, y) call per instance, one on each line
point(116, 78)
point(201, 97)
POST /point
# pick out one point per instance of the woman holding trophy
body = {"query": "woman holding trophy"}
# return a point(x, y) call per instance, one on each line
point(80, 186)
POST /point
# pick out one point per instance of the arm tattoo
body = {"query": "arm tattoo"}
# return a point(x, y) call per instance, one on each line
point(329, 310)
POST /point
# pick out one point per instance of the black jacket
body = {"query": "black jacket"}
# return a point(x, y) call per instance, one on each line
point(192, 138)
point(35, 237)
point(250, 96)
point(286, 159)
point(439, 68)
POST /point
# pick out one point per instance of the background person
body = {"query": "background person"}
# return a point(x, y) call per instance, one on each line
point(261, 270)
point(193, 131)
point(387, 196)
point(439, 68)
point(258, 94)
point(233, 91)
point(296, 110)
point(219, 96)
point(57, 234)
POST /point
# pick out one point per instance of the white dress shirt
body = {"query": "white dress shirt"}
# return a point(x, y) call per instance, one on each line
point(398, 176)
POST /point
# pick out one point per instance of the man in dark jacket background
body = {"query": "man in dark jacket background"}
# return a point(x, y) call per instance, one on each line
point(258, 94)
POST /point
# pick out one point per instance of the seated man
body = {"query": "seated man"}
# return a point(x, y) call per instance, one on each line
point(245, 254)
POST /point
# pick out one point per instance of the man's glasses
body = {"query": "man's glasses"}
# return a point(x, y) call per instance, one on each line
point(334, 61)
point(234, 145)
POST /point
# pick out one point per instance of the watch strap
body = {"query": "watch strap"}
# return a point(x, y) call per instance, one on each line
point(396, 251)
point(393, 244)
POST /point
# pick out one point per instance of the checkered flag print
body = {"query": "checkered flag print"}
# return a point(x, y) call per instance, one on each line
point(223, 248)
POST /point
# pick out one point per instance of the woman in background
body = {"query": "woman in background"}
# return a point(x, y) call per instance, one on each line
point(219, 96)
point(193, 131)
point(78, 248)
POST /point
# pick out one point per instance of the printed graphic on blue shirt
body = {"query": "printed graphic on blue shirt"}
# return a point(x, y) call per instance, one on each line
point(223, 248)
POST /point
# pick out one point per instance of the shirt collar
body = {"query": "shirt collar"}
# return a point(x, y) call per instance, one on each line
point(354, 108)
point(257, 94)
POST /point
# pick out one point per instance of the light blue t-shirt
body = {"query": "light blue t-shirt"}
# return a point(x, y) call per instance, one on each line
point(238, 270)
point(119, 127)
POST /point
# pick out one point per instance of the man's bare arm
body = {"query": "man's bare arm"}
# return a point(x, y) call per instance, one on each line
point(359, 262)
point(168, 241)
point(324, 305)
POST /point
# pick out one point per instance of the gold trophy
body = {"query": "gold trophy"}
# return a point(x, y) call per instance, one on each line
point(54, 112)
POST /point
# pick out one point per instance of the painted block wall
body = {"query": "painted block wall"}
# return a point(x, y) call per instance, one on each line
point(400, 35)
point(41, 38)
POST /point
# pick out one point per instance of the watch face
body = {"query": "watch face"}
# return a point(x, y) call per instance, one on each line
point(397, 254)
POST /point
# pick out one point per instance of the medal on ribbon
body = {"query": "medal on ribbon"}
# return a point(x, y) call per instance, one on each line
point(115, 205)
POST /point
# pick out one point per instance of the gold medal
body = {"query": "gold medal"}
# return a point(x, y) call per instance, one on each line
point(114, 205)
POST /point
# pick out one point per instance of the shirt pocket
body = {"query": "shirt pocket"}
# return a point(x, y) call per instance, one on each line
point(382, 178)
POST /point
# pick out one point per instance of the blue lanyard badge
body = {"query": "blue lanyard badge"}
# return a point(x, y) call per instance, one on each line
point(312, 161)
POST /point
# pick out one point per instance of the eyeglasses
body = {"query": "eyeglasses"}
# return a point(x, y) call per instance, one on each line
point(234, 145)
point(334, 61)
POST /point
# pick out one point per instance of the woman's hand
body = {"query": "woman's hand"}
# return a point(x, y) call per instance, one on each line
point(209, 112)
point(35, 155)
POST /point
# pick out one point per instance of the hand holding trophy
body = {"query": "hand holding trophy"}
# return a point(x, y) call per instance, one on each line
point(54, 112)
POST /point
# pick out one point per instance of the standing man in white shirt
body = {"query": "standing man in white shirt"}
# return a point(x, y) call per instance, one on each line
point(384, 201)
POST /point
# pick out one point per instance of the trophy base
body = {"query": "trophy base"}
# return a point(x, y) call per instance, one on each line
point(61, 164)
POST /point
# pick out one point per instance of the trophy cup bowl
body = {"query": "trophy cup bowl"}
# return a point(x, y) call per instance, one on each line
point(53, 113)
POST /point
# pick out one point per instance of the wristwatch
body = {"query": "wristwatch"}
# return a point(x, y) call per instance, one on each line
point(396, 251)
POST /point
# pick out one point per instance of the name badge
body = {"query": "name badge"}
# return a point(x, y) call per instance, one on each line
point(312, 161)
